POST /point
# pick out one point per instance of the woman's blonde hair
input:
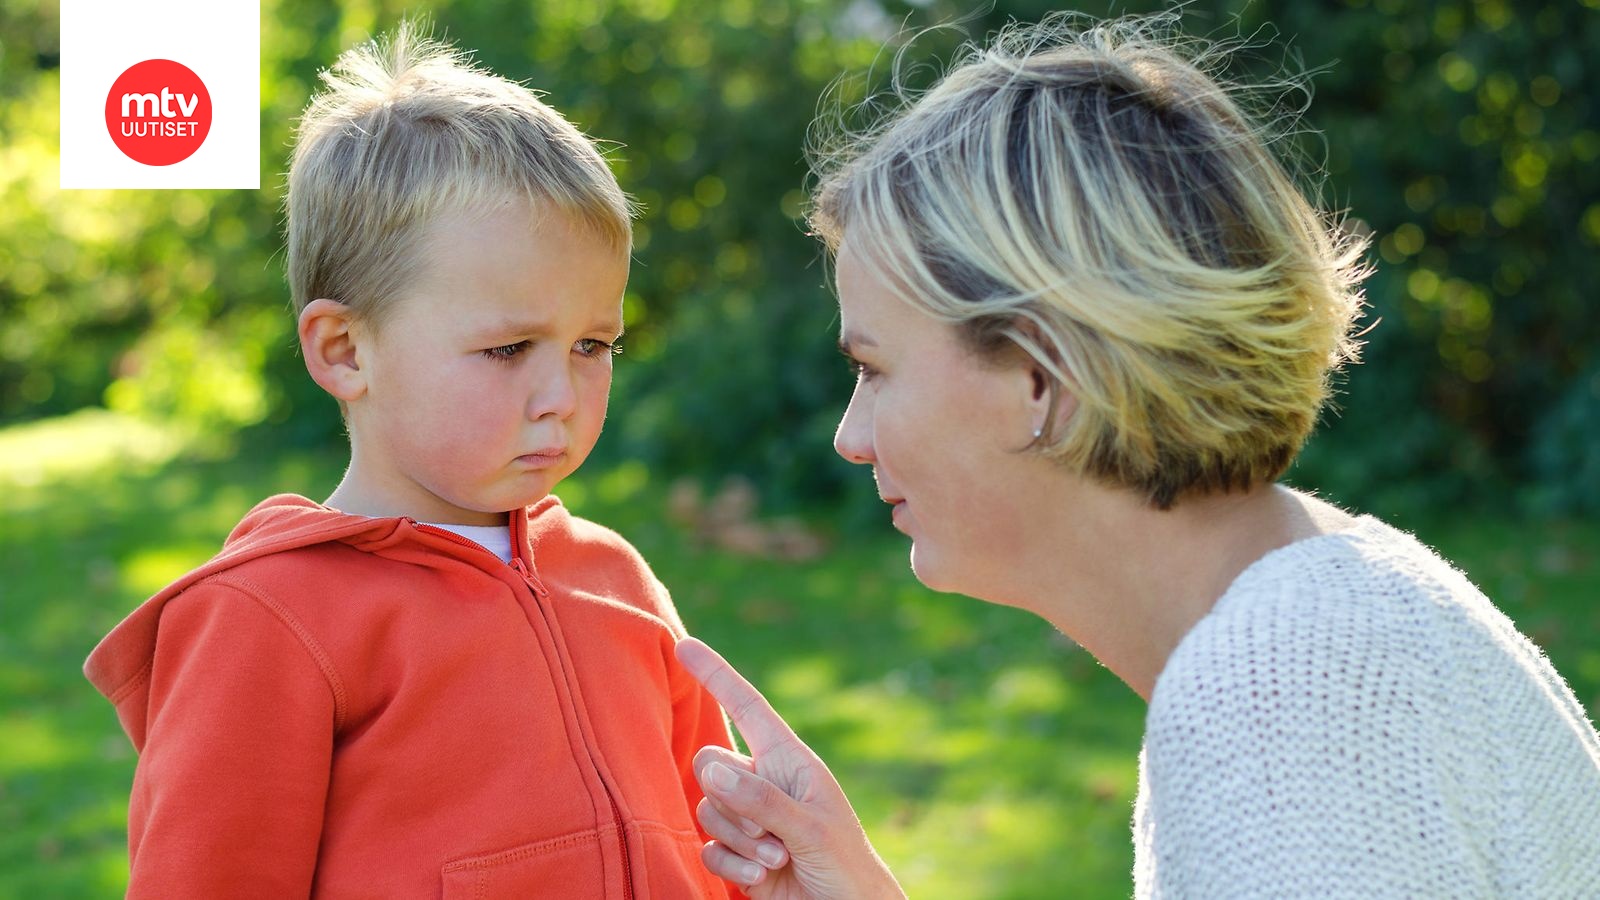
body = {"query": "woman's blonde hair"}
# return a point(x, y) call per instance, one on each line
point(407, 130)
point(1088, 194)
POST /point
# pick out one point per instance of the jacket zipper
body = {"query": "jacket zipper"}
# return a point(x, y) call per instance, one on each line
point(540, 592)
point(450, 536)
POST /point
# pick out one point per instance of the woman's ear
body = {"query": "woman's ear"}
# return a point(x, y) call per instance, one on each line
point(1050, 404)
point(1047, 400)
point(328, 336)
point(1040, 400)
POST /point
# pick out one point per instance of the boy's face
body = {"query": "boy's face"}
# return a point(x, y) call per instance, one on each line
point(487, 381)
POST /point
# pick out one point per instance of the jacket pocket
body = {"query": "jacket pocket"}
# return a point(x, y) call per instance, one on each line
point(566, 866)
point(674, 868)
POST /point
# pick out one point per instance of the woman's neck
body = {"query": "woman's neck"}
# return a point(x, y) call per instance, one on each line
point(1127, 581)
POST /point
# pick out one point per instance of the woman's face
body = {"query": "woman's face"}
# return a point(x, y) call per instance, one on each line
point(942, 430)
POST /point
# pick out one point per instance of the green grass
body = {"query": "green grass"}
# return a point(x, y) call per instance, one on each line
point(987, 756)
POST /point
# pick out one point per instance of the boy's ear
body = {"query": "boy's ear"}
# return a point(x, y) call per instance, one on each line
point(328, 337)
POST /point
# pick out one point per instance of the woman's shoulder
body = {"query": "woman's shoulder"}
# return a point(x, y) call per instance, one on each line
point(1361, 623)
point(1363, 581)
point(1365, 608)
point(1354, 693)
point(1368, 564)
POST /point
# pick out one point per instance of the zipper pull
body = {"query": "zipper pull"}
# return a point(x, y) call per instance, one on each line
point(528, 576)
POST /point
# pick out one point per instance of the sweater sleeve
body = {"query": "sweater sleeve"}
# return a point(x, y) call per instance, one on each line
point(229, 792)
point(1286, 760)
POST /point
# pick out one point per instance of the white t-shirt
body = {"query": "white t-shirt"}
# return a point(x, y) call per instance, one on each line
point(1355, 719)
point(494, 538)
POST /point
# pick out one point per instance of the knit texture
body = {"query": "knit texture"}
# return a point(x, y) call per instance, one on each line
point(1355, 719)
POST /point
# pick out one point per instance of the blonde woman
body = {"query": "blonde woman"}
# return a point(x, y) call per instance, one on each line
point(1094, 321)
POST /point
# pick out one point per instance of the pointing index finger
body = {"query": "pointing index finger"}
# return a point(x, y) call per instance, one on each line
point(762, 727)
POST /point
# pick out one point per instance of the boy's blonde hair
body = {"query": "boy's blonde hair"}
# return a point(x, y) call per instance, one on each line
point(406, 130)
point(1090, 196)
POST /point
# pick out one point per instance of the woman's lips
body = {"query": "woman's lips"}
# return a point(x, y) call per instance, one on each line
point(898, 511)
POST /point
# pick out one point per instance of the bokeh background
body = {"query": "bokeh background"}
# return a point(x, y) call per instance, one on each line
point(150, 390)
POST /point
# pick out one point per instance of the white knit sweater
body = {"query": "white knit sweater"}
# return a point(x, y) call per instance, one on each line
point(1355, 719)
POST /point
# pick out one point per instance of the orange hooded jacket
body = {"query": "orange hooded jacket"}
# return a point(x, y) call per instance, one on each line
point(341, 706)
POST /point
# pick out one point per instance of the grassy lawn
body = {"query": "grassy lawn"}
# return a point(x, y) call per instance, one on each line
point(987, 756)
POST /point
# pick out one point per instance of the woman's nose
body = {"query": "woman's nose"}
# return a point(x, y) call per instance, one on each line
point(853, 440)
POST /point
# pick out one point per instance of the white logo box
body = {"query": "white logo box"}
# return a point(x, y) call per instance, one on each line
point(219, 39)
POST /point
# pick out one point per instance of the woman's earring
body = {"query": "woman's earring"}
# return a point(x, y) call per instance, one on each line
point(1038, 432)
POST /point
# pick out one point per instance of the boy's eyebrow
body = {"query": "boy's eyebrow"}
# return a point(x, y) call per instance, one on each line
point(506, 328)
point(534, 327)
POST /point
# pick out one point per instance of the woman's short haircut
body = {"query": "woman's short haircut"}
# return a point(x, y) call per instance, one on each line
point(1092, 197)
point(407, 130)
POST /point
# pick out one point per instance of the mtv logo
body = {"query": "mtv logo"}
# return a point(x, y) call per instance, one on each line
point(161, 94)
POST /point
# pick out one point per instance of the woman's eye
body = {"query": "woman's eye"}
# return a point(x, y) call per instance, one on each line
point(861, 370)
point(595, 347)
point(506, 353)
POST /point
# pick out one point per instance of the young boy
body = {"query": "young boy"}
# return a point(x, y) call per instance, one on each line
point(409, 691)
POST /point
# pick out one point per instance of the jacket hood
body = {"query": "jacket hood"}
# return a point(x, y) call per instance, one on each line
point(120, 664)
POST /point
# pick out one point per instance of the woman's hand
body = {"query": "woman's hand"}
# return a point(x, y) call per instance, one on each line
point(783, 791)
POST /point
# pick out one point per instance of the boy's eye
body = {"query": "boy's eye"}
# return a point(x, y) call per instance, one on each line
point(595, 347)
point(506, 353)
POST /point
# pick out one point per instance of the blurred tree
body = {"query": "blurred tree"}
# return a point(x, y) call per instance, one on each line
point(1462, 133)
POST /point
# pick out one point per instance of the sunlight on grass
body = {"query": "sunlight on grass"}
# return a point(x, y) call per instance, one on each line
point(574, 494)
point(30, 742)
point(97, 818)
point(110, 871)
point(623, 482)
point(989, 837)
point(882, 725)
point(19, 680)
point(150, 570)
point(54, 628)
point(1589, 666)
point(810, 676)
point(1021, 690)
point(936, 626)
point(957, 746)
point(85, 441)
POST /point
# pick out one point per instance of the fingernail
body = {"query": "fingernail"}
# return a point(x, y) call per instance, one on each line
point(752, 873)
point(770, 854)
point(751, 828)
point(721, 777)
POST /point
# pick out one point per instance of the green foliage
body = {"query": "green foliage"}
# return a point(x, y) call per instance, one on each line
point(1463, 136)
point(1566, 450)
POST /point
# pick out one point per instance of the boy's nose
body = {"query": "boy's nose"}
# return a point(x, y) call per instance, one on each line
point(554, 394)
